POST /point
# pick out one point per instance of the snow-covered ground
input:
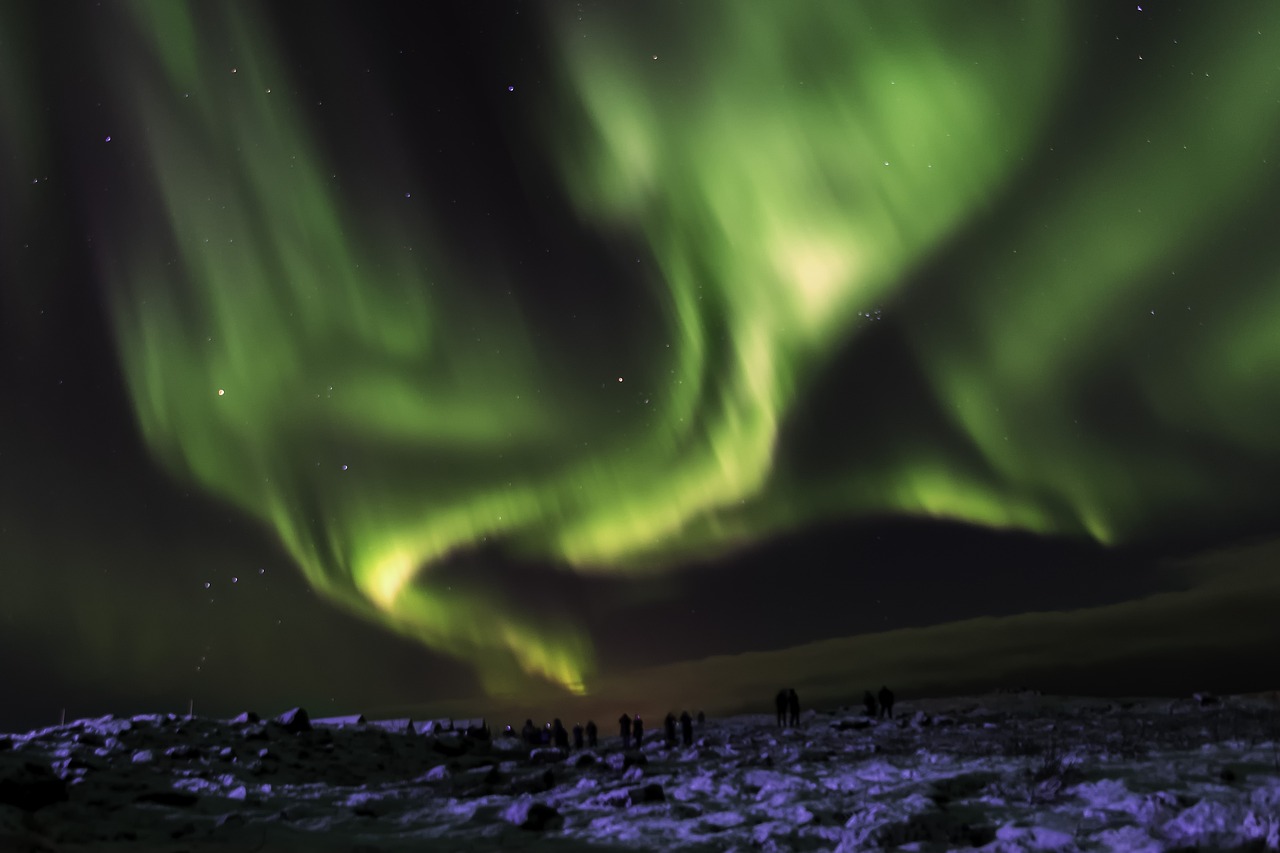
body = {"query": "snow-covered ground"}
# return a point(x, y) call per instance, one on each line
point(999, 772)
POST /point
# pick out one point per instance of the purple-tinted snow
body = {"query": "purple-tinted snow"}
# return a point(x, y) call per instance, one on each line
point(994, 773)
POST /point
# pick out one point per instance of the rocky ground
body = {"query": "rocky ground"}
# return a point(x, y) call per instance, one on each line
point(995, 772)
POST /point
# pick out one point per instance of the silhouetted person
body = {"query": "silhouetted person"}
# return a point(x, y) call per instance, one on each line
point(624, 729)
point(637, 730)
point(870, 702)
point(559, 734)
point(780, 702)
point(886, 703)
point(793, 707)
point(528, 733)
point(686, 728)
point(592, 734)
point(508, 731)
point(702, 719)
point(545, 735)
point(577, 735)
point(669, 728)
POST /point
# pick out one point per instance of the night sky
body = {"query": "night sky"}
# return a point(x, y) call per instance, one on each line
point(634, 355)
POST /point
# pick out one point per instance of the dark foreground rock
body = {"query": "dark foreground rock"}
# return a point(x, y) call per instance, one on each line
point(30, 787)
point(530, 814)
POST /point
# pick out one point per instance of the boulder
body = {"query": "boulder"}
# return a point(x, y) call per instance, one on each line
point(294, 720)
point(29, 786)
point(450, 746)
point(528, 813)
point(641, 794)
point(546, 755)
point(177, 799)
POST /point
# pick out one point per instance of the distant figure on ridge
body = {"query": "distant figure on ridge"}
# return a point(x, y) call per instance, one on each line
point(793, 707)
point(592, 734)
point(870, 702)
point(886, 703)
point(545, 736)
point(559, 734)
point(780, 702)
point(528, 733)
point(686, 728)
point(577, 735)
point(624, 729)
point(637, 730)
point(702, 718)
point(669, 728)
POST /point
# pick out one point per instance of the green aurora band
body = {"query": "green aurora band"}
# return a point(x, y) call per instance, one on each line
point(788, 176)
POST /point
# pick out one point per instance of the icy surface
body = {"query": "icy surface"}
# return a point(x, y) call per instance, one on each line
point(997, 773)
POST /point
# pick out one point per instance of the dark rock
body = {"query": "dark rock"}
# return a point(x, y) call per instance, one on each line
point(450, 746)
point(75, 765)
point(586, 759)
point(854, 724)
point(177, 799)
point(183, 752)
point(634, 759)
point(6, 743)
point(245, 718)
point(89, 739)
point(530, 814)
point(295, 720)
point(651, 793)
point(1206, 700)
point(534, 783)
point(30, 787)
point(546, 755)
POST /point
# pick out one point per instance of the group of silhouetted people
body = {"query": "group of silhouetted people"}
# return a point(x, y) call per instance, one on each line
point(631, 729)
point(555, 734)
point(885, 709)
point(788, 705)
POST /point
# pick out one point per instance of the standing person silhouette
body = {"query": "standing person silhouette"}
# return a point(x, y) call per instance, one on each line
point(624, 729)
point(686, 728)
point(886, 702)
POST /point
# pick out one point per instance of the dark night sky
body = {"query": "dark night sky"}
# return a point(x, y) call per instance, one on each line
point(669, 352)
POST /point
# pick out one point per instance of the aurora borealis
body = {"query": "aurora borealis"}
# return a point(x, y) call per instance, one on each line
point(515, 332)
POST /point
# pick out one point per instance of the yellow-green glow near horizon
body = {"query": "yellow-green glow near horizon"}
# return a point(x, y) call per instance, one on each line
point(383, 413)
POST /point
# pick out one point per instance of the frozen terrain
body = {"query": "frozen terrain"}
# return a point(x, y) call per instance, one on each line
point(1000, 772)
